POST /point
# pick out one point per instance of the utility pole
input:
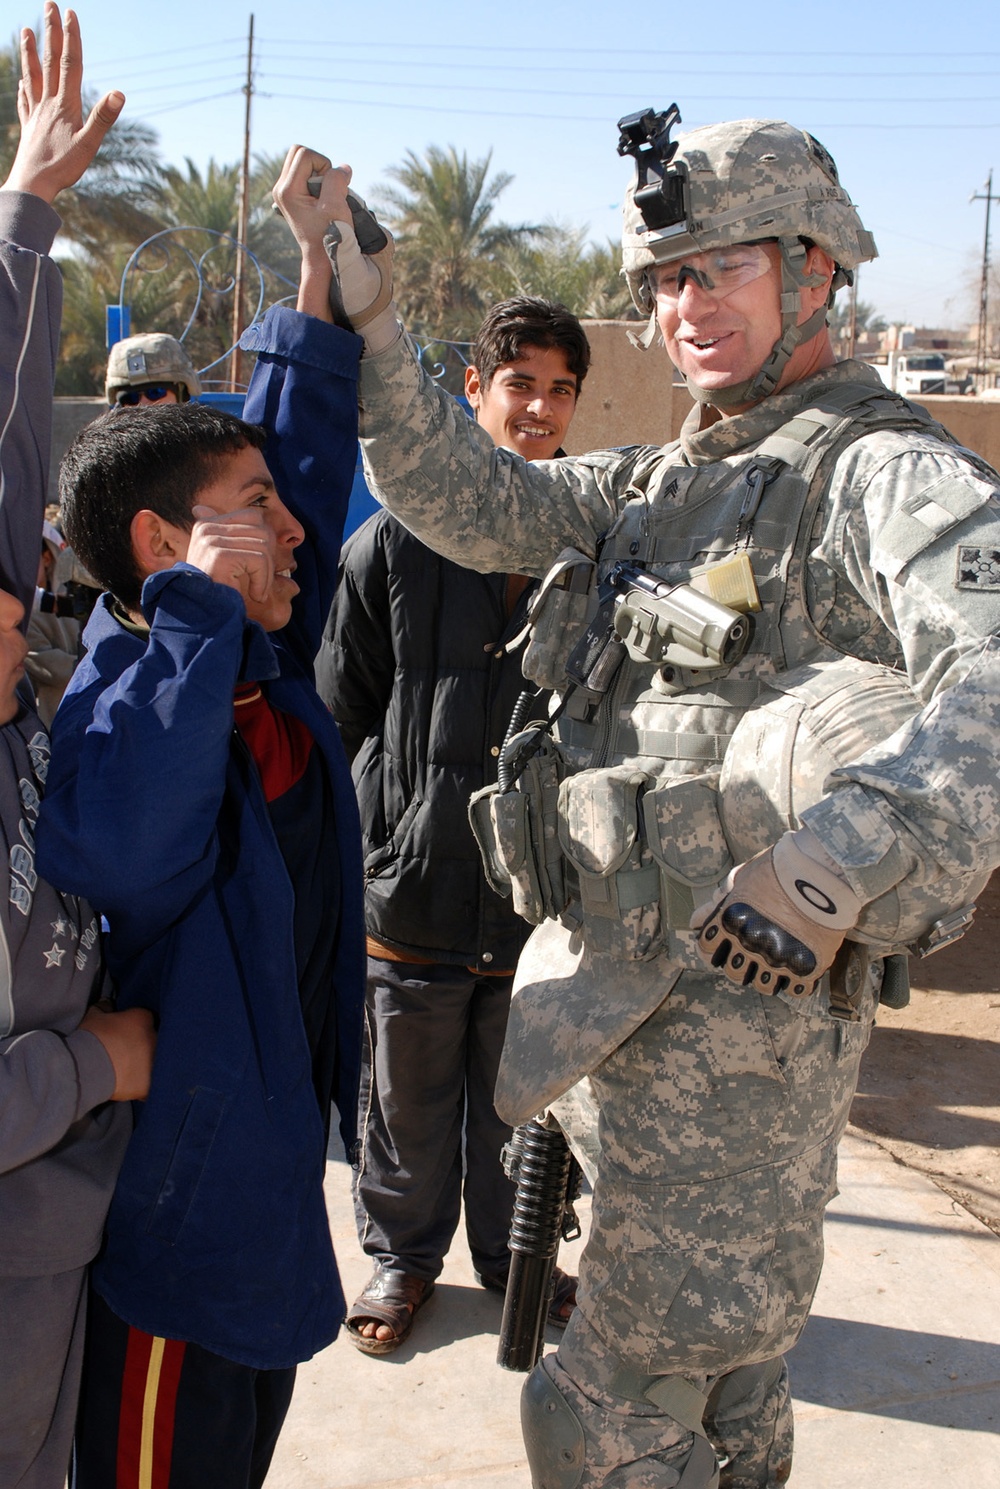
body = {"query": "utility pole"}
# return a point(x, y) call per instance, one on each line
point(981, 371)
point(243, 213)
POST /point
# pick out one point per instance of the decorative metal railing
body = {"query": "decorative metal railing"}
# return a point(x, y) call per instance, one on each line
point(210, 264)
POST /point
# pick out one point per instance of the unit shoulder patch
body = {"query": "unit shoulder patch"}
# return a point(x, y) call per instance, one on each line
point(978, 568)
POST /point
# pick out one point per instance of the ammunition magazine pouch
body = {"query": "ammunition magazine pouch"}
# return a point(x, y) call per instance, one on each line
point(517, 831)
point(619, 883)
point(558, 616)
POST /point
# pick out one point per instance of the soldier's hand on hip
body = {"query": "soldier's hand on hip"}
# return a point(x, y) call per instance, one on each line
point(780, 919)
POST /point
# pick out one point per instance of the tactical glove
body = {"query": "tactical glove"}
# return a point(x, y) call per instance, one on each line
point(361, 291)
point(780, 919)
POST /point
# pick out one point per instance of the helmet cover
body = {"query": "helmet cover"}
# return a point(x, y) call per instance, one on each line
point(150, 358)
point(746, 181)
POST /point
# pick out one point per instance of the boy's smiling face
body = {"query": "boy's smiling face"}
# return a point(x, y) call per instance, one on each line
point(529, 404)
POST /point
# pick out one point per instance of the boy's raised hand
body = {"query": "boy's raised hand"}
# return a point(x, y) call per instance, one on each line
point(57, 143)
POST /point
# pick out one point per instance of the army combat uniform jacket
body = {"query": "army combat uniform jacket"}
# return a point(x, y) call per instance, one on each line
point(871, 536)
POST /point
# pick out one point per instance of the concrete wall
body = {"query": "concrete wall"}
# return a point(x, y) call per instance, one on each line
point(975, 422)
point(69, 417)
point(628, 399)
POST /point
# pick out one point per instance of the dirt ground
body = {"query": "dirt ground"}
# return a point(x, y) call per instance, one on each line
point(930, 1081)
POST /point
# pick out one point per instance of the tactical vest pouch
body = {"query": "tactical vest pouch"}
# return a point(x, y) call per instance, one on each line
point(517, 836)
point(684, 832)
point(558, 616)
point(481, 822)
point(599, 817)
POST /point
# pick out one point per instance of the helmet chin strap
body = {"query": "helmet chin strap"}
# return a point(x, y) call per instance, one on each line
point(763, 383)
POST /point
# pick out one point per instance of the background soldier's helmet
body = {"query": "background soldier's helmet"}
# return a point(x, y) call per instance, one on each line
point(745, 182)
point(152, 358)
point(808, 724)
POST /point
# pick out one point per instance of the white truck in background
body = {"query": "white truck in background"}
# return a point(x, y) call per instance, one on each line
point(914, 373)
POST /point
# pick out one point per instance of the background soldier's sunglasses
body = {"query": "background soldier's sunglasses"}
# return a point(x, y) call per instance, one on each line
point(154, 392)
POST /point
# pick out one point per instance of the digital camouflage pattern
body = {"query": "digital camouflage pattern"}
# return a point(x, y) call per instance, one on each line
point(747, 180)
point(881, 582)
point(153, 357)
point(720, 1109)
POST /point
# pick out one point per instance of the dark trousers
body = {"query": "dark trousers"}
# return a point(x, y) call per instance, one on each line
point(435, 1033)
point(161, 1414)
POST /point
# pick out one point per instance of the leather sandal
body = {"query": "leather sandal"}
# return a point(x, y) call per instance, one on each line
point(563, 1291)
point(390, 1298)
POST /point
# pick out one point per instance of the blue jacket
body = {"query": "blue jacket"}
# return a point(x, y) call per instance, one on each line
point(218, 1231)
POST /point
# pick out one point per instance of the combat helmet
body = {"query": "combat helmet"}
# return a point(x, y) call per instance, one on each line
point(741, 182)
point(151, 358)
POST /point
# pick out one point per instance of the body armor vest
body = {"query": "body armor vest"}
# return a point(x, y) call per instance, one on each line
point(619, 830)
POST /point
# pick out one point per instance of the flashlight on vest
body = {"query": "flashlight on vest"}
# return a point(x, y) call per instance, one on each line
point(676, 624)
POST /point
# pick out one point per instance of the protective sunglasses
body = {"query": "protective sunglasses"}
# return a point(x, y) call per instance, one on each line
point(154, 392)
point(719, 272)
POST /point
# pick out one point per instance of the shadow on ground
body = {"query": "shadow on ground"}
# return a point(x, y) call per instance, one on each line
point(909, 1375)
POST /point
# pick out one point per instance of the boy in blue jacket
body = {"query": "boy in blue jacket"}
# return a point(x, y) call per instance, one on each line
point(200, 797)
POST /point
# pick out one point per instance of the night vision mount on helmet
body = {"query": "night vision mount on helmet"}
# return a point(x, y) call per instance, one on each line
point(753, 180)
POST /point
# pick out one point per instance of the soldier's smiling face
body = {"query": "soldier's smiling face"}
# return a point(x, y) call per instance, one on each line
point(720, 341)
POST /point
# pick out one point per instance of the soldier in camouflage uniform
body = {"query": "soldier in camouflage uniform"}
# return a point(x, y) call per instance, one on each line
point(826, 798)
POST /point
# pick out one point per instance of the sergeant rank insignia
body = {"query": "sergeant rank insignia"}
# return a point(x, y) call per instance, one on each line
point(978, 568)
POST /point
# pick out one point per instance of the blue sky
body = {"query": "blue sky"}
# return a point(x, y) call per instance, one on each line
point(906, 96)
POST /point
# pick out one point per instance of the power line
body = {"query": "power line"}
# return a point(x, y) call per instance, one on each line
point(199, 47)
point(696, 98)
point(169, 108)
point(184, 67)
point(141, 91)
point(599, 53)
point(559, 69)
point(891, 232)
point(933, 125)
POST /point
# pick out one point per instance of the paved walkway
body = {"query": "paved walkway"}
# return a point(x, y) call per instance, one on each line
point(896, 1379)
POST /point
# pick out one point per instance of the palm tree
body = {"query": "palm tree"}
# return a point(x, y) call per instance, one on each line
point(442, 214)
point(184, 277)
point(839, 319)
point(562, 266)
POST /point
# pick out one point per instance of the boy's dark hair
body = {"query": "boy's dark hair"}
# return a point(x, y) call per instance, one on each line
point(134, 458)
point(512, 325)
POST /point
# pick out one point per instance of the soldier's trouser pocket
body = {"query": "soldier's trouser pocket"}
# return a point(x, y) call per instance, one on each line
point(517, 836)
point(700, 1277)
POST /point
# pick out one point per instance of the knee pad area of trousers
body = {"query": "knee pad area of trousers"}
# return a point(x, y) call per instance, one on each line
point(553, 1437)
point(573, 1442)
